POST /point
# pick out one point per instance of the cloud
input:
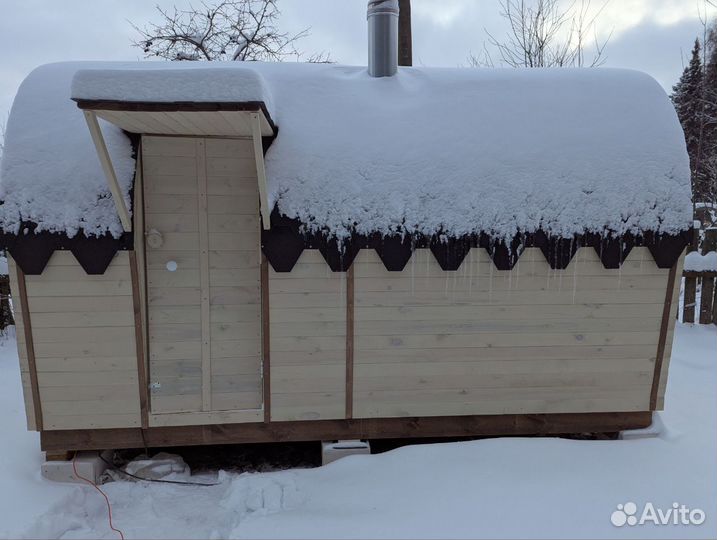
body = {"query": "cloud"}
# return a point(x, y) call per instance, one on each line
point(649, 34)
point(443, 14)
point(623, 15)
point(654, 48)
point(35, 32)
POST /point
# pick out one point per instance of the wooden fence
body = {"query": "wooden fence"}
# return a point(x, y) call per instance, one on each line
point(6, 318)
point(705, 283)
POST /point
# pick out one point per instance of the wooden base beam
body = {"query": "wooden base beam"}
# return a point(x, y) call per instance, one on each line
point(58, 455)
point(358, 428)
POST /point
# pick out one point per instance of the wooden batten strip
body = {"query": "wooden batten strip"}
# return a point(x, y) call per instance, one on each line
point(265, 339)
point(664, 327)
point(203, 218)
point(350, 342)
point(104, 156)
point(260, 170)
point(27, 327)
point(139, 340)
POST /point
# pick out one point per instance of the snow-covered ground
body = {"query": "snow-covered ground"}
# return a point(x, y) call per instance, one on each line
point(505, 487)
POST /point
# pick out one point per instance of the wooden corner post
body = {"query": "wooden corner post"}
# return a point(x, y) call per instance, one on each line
point(265, 339)
point(350, 285)
point(662, 339)
point(30, 348)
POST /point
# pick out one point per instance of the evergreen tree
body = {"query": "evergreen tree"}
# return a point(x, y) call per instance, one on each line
point(709, 117)
point(687, 96)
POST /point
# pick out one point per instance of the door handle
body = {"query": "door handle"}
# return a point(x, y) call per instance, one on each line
point(154, 239)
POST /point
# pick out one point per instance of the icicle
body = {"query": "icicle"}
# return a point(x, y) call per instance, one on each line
point(642, 257)
point(510, 272)
point(490, 277)
point(455, 281)
point(413, 267)
point(469, 271)
point(549, 275)
point(619, 267)
point(532, 264)
point(427, 253)
point(562, 271)
point(446, 281)
point(516, 268)
point(576, 262)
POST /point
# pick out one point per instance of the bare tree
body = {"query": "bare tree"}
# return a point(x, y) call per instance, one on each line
point(222, 30)
point(543, 33)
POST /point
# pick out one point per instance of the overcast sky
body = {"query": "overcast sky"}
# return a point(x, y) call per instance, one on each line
point(649, 35)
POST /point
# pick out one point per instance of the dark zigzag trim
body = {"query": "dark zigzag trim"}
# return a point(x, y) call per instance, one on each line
point(32, 251)
point(284, 243)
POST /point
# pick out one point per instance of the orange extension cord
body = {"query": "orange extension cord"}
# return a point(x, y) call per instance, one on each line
point(107, 500)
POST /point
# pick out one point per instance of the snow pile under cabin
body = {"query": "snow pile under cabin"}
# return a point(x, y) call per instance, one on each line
point(207, 253)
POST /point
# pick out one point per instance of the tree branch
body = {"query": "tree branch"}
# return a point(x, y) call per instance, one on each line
point(222, 30)
point(544, 34)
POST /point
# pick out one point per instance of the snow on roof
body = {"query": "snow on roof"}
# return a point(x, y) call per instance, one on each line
point(226, 85)
point(430, 150)
point(50, 173)
point(696, 262)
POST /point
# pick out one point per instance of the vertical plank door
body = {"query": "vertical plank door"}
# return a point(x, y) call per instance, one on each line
point(203, 274)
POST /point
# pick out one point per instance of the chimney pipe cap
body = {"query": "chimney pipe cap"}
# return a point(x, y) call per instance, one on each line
point(376, 7)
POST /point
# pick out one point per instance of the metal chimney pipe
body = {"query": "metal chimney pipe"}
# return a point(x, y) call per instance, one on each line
point(382, 37)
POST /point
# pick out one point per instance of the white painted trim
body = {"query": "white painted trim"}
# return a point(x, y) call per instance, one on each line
point(260, 170)
point(108, 169)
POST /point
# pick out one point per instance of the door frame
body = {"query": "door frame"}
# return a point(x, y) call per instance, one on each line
point(188, 418)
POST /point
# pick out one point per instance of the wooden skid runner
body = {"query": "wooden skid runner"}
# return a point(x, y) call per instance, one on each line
point(374, 428)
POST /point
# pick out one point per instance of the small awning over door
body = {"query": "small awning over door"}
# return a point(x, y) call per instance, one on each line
point(186, 118)
point(199, 119)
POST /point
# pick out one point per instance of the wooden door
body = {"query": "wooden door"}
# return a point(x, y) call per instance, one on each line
point(202, 235)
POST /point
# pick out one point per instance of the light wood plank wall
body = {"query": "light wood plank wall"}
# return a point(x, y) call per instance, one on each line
point(307, 341)
point(84, 339)
point(480, 341)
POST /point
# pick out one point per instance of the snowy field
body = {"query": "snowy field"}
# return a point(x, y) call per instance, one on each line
point(498, 488)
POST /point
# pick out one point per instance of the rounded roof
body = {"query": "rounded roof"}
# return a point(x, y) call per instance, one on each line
point(431, 150)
